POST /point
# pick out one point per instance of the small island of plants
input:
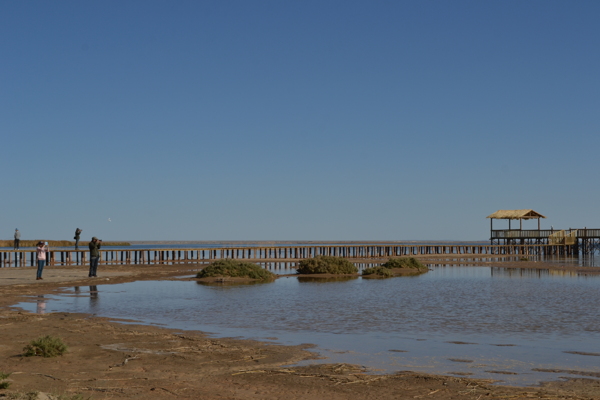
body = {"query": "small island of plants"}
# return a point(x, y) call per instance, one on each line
point(326, 265)
point(228, 268)
point(396, 266)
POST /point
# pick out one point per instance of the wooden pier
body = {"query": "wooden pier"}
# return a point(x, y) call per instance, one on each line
point(66, 257)
point(584, 241)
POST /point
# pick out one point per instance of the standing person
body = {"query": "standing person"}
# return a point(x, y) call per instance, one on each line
point(41, 250)
point(94, 256)
point(77, 235)
point(17, 239)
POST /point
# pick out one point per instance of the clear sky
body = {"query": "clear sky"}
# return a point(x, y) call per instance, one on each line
point(296, 120)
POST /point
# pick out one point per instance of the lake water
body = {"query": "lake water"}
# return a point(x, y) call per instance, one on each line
point(478, 321)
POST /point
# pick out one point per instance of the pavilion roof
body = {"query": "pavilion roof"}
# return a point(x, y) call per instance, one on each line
point(516, 214)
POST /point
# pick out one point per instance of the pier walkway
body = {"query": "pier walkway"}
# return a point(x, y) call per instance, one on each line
point(65, 257)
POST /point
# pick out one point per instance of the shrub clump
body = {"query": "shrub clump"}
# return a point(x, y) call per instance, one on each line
point(46, 346)
point(326, 265)
point(404, 262)
point(235, 268)
point(379, 271)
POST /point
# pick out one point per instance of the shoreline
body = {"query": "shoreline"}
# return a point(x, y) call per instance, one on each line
point(109, 359)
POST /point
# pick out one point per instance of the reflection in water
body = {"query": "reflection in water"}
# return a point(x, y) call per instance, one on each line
point(532, 272)
point(362, 266)
point(232, 283)
point(93, 291)
point(93, 296)
point(479, 260)
point(41, 305)
point(280, 268)
point(317, 279)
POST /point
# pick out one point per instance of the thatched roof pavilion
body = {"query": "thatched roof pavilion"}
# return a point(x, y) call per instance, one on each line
point(515, 214)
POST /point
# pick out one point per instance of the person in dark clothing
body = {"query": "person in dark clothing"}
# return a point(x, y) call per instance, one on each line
point(77, 235)
point(94, 256)
point(17, 239)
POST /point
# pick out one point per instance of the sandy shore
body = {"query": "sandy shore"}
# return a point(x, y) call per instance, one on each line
point(110, 360)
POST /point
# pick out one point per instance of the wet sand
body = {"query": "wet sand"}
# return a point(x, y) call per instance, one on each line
point(112, 360)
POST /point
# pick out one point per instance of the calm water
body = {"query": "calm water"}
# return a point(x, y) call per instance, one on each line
point(457, 320)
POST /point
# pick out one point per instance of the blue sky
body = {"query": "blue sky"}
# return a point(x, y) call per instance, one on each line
point(296, 120)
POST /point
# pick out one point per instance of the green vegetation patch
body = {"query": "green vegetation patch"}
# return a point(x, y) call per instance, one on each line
point(235, 269)
point(404, 262)
point(382, 272)
point(46, 346)
point(4, 384)
point(326, 265)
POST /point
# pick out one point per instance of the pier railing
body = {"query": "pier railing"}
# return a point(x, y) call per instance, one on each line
point(66, 257)
point(584, 233)
point(588, 233)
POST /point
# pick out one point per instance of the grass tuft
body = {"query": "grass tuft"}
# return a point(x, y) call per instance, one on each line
point(235, 268)
point(3, 383)
point(326, 265)
point(46, 346)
